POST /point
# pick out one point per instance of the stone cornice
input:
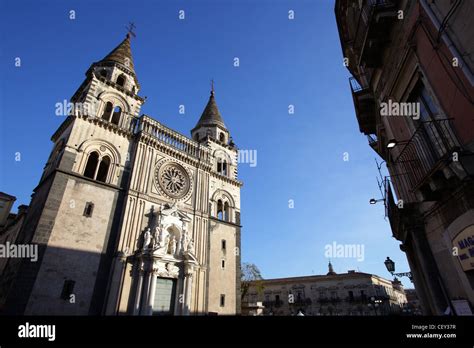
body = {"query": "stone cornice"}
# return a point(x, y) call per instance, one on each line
point(119, 88)
point(226, 179)
point(118, 66)
point(312, 278)
point(94, 120)
point(107, 125)
point(62, 127)
point(224, 222)
point(157, 200)
point(77, 175)
point(217, 142)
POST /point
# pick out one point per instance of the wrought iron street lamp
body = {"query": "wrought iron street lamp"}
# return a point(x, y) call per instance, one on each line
point(374, 201)
point(390, 264)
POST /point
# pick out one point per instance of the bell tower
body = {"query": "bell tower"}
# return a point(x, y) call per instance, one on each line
point(130, 217)
point(111, 88)
point(75, 211)
point(224, 203)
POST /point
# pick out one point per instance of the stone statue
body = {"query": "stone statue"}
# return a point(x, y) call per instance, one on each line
point(190, 248)
point(184, 240)
point(146, 239)
point(173, 243)
point(156, 237)
point(164, 239)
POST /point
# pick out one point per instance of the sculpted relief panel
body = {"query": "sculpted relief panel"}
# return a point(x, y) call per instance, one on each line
point(169, 238)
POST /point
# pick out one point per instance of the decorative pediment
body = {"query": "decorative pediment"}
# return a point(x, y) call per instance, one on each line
point(190, 257)
point(173, 211)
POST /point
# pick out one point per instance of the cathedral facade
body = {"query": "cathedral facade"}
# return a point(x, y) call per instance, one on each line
point(131, 217)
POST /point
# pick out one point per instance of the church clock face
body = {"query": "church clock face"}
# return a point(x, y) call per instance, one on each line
point(173, 180)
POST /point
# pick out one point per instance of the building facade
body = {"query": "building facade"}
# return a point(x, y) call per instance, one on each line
point(10, 226)
point(412, 84)
point(352, 293)
point(131, 217)
point(413, 303)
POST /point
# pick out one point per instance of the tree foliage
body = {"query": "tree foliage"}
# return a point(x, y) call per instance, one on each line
point(249, 272)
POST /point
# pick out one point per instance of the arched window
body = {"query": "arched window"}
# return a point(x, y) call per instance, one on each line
point(116, 115)
point(221, 137)
point(97, 168)
point(107, 111)
point(224, 168)
point(103, 73)
point(220, 210)
point(121, 80)
point(103, 169)
point(91, 165)
point(226, 212)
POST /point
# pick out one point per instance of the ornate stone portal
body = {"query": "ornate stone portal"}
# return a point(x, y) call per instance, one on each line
point(167, 251)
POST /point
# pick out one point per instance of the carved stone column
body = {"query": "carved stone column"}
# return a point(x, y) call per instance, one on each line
point(151, 293)
point(145, 293)
point(188, 286)
point(138, 291)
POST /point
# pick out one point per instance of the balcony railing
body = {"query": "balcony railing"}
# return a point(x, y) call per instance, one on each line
point(373, 29)
point(172, 138)
point(364, 104)
point(429, 150)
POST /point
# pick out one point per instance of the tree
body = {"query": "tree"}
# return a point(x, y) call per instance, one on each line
point(249, 272)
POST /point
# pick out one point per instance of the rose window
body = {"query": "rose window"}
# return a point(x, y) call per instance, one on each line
point(173, 179)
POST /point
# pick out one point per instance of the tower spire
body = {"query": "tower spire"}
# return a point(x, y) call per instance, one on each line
point(122, 54)
point(211, 115)
point(121, 57)
point(210, 123)
point(331, 269)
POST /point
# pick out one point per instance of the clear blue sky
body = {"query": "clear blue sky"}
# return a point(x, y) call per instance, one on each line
point(282, 62)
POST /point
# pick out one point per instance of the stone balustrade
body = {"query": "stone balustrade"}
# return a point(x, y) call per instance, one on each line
point(172, 138)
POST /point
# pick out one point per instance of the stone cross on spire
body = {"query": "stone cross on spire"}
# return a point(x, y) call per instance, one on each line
point(131, 26)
